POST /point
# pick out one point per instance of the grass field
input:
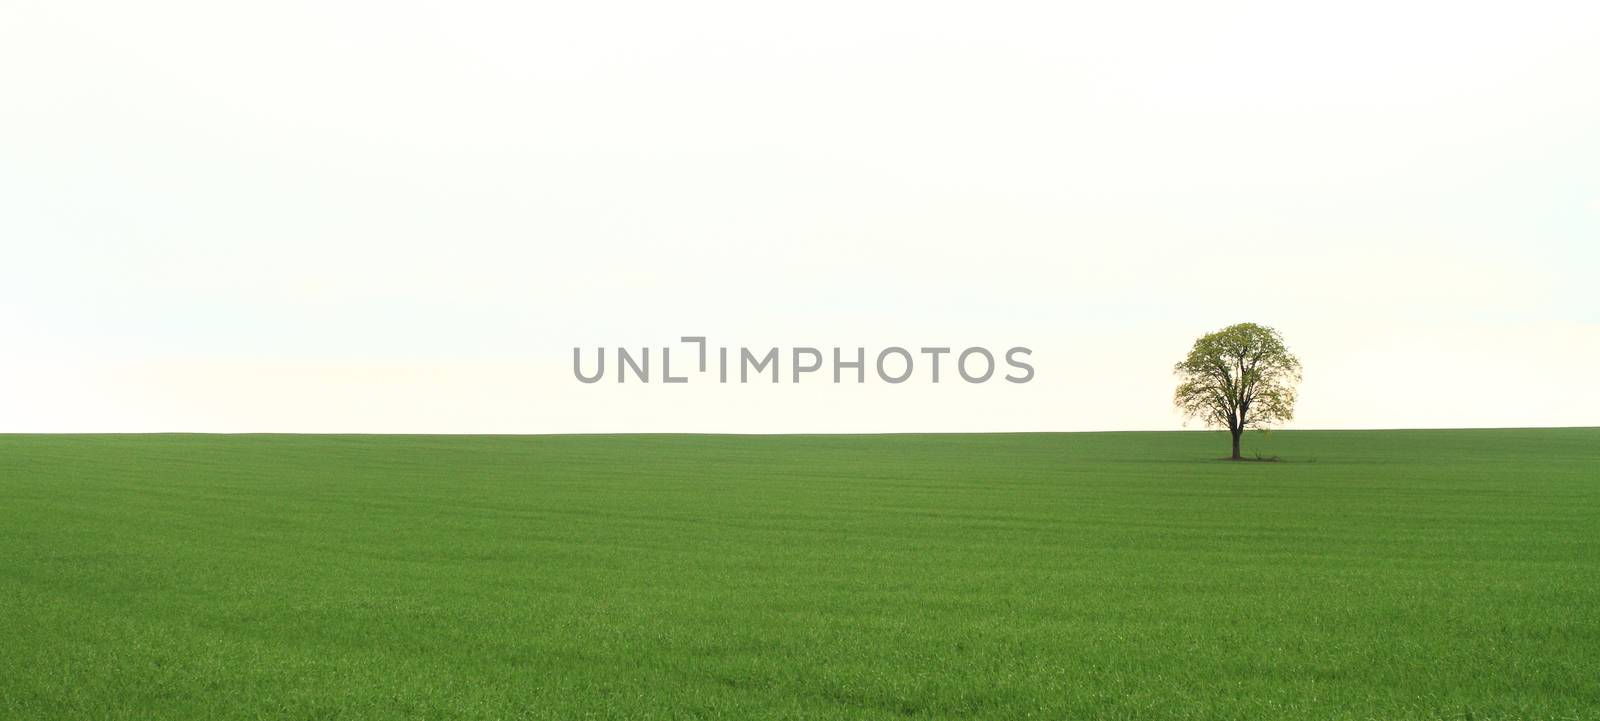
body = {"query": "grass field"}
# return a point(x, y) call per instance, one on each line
point(1372, 575)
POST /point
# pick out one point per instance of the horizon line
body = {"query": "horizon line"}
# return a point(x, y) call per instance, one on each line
point(773, 434)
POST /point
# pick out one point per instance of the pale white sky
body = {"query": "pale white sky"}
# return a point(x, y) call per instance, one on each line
point(326, 216)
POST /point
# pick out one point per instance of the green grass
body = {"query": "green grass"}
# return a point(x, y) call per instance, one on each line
point(1372, 575)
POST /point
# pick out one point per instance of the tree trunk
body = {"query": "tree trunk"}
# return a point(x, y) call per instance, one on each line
point(1236, 433)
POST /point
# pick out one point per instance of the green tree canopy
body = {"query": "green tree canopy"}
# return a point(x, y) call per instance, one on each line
point(1240, 377)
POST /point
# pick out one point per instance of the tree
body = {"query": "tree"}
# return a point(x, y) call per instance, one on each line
point(1237, 378)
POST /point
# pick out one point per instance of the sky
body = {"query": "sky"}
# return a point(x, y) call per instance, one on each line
point(403, 216)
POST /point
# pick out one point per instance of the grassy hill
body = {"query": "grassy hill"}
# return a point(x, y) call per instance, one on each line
point(1371, 575)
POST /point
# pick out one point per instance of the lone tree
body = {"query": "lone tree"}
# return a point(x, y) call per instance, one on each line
point(1236, 378)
